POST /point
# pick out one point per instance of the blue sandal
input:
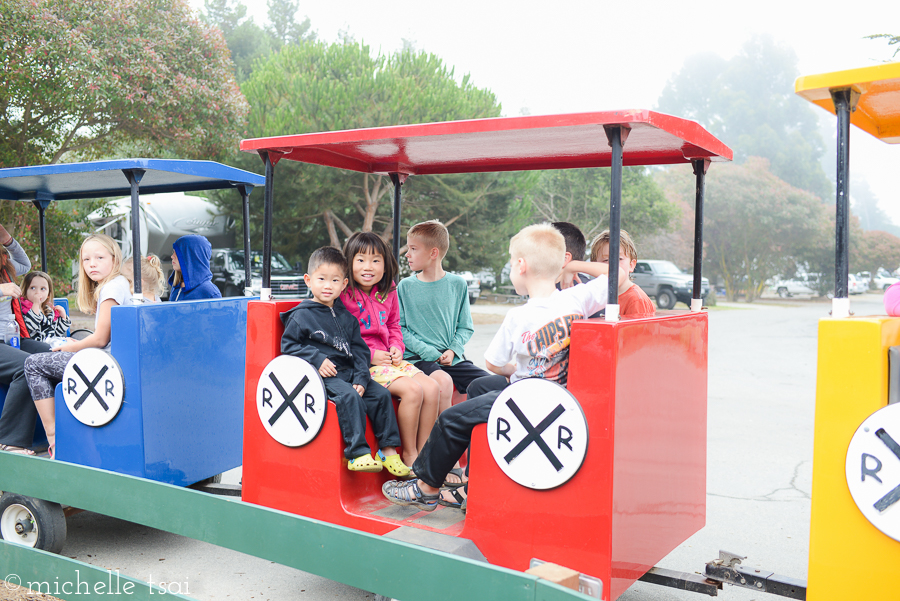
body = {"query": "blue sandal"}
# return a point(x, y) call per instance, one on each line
point(408, 493)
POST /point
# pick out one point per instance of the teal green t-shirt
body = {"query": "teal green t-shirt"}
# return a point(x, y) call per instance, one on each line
point(434, 317)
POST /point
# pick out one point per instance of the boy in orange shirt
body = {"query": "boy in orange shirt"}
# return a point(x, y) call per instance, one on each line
point(633, 301)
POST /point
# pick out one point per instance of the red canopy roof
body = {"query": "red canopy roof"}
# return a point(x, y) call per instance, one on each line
point(501, 144)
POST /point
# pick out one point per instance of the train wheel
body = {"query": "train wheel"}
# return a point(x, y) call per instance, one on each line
point(783, 292)
point(32, 522)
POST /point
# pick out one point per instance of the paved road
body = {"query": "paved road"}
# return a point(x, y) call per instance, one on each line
point(761, 398)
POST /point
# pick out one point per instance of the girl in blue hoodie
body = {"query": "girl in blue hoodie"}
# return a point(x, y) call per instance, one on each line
point(192, 278)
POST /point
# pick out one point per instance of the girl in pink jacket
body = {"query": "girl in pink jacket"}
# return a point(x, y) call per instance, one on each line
point(371, 297)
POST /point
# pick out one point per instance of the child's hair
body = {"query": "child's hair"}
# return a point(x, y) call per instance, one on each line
point(625, 243)
point(433, 233)
point(88, 289)
point(151, 272)
point(327, 255)
point(542, 247)
point(575, 242)
point(368, 242)
point(47, 305)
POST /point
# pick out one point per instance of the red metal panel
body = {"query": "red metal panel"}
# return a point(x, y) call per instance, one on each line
point(501, 144)
point(639, 494)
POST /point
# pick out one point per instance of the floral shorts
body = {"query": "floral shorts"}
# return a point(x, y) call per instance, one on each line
point(386, 374)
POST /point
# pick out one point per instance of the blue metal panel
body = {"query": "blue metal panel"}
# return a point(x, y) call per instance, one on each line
point(119, 445)
point(192, 379)
point(64, 303)
point(182, 416)
point(99, 179)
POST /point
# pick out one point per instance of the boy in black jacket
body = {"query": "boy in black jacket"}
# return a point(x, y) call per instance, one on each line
point(322, 331)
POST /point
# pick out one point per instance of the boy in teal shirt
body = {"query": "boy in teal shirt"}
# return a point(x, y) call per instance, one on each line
point(434, 312)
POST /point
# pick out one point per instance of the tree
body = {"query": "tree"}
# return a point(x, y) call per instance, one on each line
point(876, 249)
point(84, 77)
point(284, 27)
point(319, 87)
point(892, 40)
point(755, 223)
point(748, 102)
point(581, 196)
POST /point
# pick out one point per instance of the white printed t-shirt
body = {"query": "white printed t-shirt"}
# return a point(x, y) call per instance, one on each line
point(536, 335)
point(117, 289)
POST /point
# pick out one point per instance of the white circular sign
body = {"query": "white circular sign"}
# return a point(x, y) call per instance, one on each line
point(291, 400)
point(873, 469)
point(93, 387)
point(537, 433)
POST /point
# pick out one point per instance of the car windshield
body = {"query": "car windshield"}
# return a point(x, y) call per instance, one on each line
point(665, 267)
point(279, 263)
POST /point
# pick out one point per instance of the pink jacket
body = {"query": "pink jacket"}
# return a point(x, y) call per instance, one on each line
point(378, 316)
point(892, 300)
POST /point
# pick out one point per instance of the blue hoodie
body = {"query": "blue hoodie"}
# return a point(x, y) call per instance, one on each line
point(193, 254)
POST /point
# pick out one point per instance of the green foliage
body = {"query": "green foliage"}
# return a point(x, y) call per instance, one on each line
point(63, 219)
point(892, 40)
point(581, 196)
point(755, 226)
point(87, 76)
point(315, 87)
point(875, 249)
point(748, 102)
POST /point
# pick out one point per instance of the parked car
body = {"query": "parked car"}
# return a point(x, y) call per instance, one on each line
point(486, 276)
point(862, 280)
point(799, 284)
point(473, 283)
point(854, 285)
point(883, 279)
point(668, 284)
point(227, 266)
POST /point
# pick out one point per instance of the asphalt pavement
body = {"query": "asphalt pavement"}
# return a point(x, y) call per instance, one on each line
point(762, 368)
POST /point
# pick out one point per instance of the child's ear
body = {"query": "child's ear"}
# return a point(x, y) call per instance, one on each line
point(567, 259)
point(631, 265)
point(307, 279)
point(435, 253)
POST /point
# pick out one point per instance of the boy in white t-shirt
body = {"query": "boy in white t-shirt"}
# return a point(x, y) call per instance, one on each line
point(533, 342)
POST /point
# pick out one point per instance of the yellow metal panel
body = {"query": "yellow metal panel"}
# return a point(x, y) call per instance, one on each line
point(878, 111)
point(848, 557)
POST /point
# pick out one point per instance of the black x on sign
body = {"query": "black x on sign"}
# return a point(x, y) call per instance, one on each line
point(93, 387)
point(537, 433)
point(873, 469)
point(292, 418)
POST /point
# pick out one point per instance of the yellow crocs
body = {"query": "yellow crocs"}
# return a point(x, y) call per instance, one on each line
point(394, 464)
point(364, 463)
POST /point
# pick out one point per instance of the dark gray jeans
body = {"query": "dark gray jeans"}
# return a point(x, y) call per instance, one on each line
point(19, 414)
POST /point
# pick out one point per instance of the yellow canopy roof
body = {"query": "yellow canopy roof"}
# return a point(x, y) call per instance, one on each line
point(878, 111)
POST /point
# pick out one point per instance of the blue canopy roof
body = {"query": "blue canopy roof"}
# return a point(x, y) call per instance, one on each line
point(100, 179)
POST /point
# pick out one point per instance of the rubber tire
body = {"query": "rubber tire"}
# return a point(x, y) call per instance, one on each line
point(665, 299)
point(48, 517)
point(472, 300)
point(382, 598)
point(217, 479)
point(886, 286)
point(783, 292)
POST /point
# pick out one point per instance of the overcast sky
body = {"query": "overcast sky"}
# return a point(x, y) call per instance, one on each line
point(571, 56)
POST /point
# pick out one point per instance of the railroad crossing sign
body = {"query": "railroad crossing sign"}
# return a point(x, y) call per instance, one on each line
point(873, 469)
point(93, 387)
point(537, 433)
point(291, 400)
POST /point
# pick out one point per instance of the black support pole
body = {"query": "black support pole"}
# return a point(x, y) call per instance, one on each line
point(265, 293)
point(700, 167)
point(42, 207)
point(842, 99)
point(398, 194)
point(614, 133)
point(134, 179)
point(245, 191)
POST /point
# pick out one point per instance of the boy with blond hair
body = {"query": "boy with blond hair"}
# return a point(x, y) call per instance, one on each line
point(533, 342)
point(434, 312)
point(632, 300)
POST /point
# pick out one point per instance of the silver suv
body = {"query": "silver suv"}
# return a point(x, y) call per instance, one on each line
point(668, 284)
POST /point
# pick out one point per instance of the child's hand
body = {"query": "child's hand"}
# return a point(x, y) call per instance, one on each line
point(396, 355)
point(327, 369)
point(60, 310)
point(446, 357)
point(11, 289)
point(381, 358)
point(359, 388)
point(69, 347)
